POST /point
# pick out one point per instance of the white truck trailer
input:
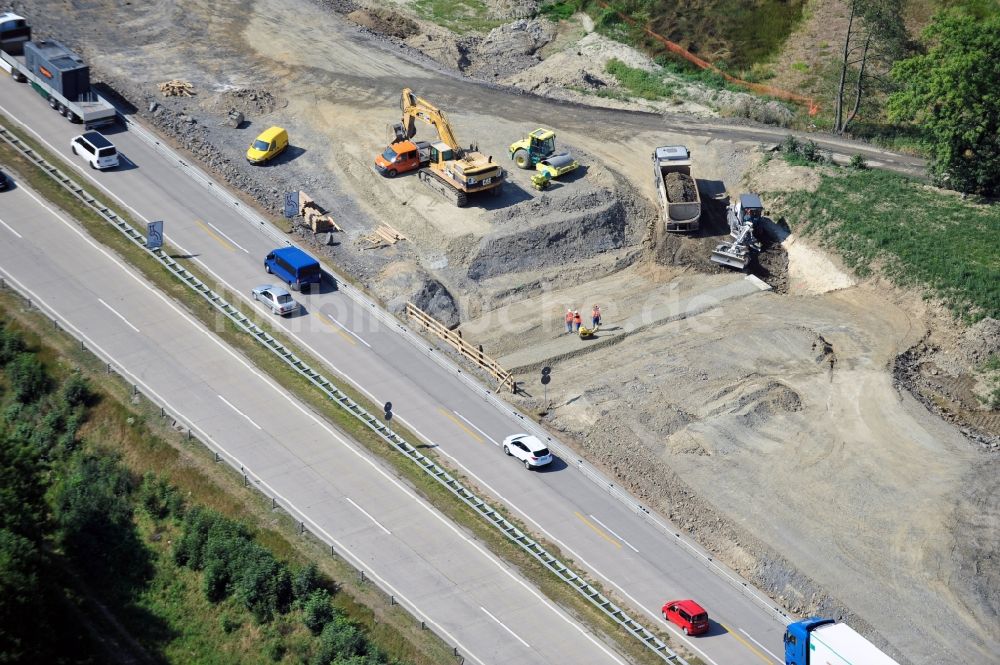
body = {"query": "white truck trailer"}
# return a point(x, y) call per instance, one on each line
point(817, 641)
point(57, 74)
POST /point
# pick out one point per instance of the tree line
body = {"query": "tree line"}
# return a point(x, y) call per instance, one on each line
point(69, 514)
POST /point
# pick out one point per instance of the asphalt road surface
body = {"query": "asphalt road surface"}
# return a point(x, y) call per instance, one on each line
point(470, 597)
point(639, 557)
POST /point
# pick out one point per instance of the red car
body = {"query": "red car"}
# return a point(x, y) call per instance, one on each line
point(689, 615)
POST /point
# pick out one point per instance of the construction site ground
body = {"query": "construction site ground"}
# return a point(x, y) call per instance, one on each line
point(770, 417)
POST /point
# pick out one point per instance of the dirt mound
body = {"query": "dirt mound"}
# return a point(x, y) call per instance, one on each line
point(385, 22)
point(980, 342)
point(760, 405)
point(509, 48)
point(581, 226)
point(680, 188)
point(405, 281)
point(251, 101)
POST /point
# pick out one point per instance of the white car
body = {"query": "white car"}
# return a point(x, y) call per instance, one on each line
point(527, 448)
point(94, 147)
point(276, 298)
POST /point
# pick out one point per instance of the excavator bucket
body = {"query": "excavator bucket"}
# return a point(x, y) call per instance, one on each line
point(728, 254)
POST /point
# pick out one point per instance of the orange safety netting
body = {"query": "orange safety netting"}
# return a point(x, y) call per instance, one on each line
point(760, 88)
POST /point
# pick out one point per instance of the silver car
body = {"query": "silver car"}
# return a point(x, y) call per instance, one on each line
point(277, 298)
point(527, 448)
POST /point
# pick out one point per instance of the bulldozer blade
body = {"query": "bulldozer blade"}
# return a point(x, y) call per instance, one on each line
point(723, 255)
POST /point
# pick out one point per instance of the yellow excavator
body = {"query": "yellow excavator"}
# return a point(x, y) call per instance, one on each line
point(452, 171)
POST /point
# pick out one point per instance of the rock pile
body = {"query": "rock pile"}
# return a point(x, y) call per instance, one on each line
point(507, 10)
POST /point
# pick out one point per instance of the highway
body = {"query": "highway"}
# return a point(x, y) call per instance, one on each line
point(469, 596)
point(624, 550)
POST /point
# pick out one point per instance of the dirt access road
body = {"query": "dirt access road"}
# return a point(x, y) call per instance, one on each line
point(765, 423)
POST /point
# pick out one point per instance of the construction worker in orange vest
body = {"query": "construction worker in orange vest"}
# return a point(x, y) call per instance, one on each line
point(595, 317)
point(569, 320)
point(577, 320)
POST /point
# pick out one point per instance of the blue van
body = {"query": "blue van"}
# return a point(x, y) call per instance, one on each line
point(294, 266)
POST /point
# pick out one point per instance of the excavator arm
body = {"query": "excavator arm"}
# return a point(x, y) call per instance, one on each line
point(414, 107)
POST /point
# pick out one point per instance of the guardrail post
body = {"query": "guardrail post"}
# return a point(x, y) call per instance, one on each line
point(392, 600)
point(362, 576)
point(246, 481)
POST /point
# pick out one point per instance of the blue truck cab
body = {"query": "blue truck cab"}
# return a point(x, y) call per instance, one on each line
point(294, 267)
point(797, 640)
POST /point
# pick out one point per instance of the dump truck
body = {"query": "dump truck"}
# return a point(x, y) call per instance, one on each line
point(56, 73)
point(816, 641)
point(677, 188)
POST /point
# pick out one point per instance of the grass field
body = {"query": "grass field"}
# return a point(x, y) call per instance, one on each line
point(916, 235)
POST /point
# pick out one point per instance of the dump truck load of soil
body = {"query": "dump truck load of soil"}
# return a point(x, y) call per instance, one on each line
point(680, 188)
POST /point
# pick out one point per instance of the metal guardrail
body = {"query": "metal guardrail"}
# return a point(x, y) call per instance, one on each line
point(374, 423)
point(443, 361)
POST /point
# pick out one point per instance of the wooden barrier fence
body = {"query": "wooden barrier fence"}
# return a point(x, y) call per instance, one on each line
point(504, 378)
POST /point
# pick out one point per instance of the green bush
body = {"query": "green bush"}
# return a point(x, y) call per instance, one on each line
point(317, 611)
point(800, 153)
point(11, 345)
point(306, 580)
point(159, 498)
point(93, 511)
point(28, 380)
point(638, 82)
point(858, 163)
point(559, 11)
point(75, 391)
point(229, 624)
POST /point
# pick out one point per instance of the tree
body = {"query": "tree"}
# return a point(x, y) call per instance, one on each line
point(875, 32)
point(951, 91)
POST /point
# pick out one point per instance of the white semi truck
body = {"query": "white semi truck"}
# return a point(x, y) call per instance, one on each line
point(818, 641)
point(57, 74)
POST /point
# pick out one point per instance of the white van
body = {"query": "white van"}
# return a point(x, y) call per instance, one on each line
point(94, 147)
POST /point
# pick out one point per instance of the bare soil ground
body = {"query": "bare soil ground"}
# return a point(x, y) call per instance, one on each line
point(766, 423)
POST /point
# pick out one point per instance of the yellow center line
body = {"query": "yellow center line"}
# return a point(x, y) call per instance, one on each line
point(322, 318)
point(752, 648)
point(215, 235)
point(599, 532)
point(462, 425)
